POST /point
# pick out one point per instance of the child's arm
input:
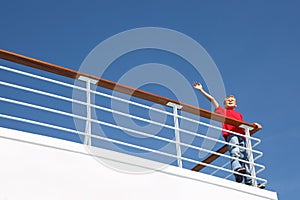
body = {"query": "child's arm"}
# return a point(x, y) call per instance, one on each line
point(199, 87)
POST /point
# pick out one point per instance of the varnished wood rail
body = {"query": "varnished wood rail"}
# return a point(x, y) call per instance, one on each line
point(56, 69)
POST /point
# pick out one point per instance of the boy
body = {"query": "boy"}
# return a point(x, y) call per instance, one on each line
point(238, 141)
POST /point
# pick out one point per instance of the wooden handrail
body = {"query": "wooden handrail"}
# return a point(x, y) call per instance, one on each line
point(38, 64)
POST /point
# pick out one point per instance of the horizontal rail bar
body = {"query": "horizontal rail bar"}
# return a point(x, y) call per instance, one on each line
point(41, 78)
point(39, 123)
point(41, 92)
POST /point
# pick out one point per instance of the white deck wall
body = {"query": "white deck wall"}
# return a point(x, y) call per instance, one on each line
point(38, 167)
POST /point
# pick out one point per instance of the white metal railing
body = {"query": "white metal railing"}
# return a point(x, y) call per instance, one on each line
point(171, 132)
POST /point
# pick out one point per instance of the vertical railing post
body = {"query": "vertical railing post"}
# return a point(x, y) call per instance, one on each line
point(88, 125)
point(250, 153)
point(176, 107)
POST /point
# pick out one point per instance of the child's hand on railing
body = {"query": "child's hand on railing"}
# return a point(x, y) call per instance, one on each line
point(258, 125)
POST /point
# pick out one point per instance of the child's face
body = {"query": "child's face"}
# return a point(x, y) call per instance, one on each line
point(230, 103)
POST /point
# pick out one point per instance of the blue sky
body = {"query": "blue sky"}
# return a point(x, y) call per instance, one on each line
point(255, 45)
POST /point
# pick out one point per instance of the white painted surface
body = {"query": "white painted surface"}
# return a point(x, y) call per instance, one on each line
point(38, 167)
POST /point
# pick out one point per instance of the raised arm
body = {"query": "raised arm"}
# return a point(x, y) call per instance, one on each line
point(199, 87)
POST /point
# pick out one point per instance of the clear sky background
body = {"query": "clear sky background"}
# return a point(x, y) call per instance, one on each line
point(255, 45)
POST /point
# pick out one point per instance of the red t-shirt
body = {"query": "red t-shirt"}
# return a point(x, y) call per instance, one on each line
point(231, 114)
